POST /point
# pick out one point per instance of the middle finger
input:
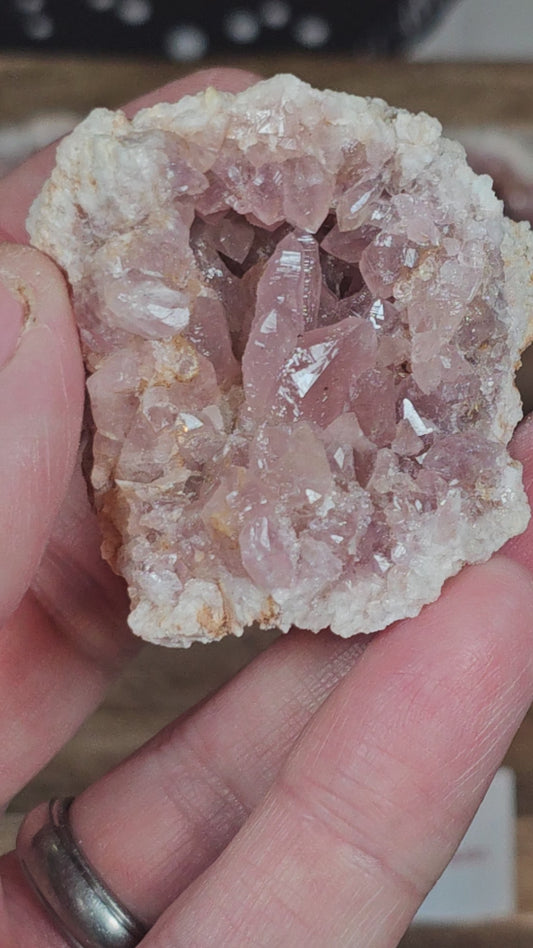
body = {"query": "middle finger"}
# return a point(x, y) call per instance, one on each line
point(187, 792)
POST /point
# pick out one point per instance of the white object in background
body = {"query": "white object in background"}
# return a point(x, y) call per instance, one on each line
point(480, 881)
point(481, 30)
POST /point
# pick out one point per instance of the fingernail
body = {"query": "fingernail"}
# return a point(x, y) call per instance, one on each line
point(11, 324)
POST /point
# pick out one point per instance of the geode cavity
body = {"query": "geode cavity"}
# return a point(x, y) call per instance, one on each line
point(301, 312)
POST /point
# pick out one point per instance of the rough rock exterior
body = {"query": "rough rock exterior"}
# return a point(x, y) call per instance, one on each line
point(301, 313)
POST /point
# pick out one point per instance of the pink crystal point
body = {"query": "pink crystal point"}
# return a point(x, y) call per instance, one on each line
point(301, 313)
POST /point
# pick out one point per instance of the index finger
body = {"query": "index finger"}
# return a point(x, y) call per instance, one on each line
point(21, 186)
point(370, 805)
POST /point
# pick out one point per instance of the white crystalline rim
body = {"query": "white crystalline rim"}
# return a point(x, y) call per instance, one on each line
point(354, 609)
point(349, 608)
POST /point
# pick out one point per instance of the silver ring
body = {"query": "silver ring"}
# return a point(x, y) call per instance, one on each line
point(74, 895)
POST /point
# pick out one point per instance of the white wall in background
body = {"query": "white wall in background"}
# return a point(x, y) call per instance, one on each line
point(481, 30)
point(480, 882)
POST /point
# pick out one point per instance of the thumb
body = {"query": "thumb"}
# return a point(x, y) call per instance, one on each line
point(41, 403)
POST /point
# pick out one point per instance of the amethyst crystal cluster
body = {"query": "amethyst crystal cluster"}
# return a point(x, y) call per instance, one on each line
point(301, 313)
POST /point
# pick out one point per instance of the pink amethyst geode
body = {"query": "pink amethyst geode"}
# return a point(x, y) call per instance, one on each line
point(301, 313)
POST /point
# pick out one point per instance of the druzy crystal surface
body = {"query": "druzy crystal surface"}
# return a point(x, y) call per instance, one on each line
point(301, 313)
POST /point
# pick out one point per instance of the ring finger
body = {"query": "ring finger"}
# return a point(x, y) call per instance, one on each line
point(157, 821)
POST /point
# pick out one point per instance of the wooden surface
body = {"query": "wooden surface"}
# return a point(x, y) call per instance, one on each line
point(517, 933)
point(160, 684)
point(455, 93)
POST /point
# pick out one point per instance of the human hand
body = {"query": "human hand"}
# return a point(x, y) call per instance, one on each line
point(317, 797)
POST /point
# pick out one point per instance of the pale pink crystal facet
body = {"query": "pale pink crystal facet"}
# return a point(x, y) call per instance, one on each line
point(301, 312)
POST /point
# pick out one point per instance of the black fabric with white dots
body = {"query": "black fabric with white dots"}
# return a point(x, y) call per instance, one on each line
point(189, 31)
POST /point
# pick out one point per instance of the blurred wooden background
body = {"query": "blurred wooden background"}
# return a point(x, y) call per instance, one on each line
point(161, 684)
point(456, 93)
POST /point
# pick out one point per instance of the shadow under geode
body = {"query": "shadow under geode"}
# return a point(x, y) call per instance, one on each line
point(524, 380)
